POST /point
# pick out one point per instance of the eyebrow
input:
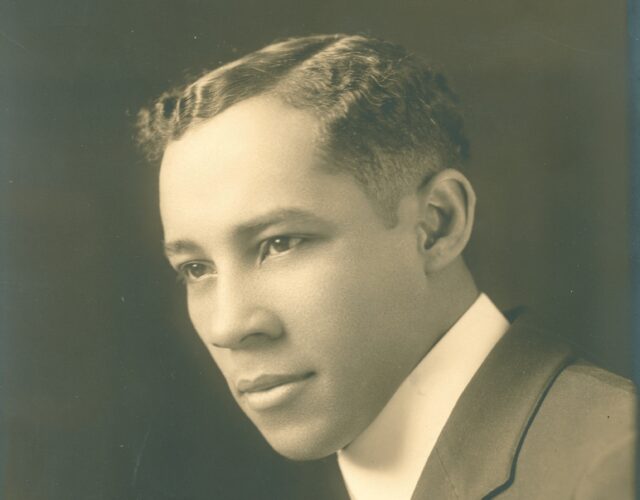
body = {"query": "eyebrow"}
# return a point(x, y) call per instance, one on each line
point(277, 216)
point(180, 246)
point(252, 226)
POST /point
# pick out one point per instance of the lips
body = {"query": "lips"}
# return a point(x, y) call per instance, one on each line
point(273, 392)
point(270, 381)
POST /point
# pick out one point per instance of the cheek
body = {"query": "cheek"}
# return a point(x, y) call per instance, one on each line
point(352, 302)
point(199, 313)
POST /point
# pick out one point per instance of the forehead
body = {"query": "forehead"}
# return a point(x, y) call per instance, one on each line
point(257, 156)
point(260, 127)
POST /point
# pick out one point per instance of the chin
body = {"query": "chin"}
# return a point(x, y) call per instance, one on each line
point(301, 451)
point(301, 445)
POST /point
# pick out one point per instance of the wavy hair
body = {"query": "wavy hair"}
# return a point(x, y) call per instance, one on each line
point(387, 117)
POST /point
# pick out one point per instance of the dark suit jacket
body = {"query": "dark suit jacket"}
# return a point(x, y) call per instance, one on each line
point(535, 423)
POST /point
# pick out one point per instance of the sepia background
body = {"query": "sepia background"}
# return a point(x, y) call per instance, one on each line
point(106, 393)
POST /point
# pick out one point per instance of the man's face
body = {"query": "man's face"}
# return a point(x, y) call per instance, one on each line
point(313, 310)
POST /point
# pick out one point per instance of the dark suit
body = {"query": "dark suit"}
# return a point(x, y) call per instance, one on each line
point(535, 423)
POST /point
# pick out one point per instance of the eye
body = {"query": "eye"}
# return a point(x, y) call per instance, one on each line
point(278, 245)
point(195, 271)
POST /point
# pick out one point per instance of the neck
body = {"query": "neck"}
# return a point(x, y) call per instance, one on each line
point(453, 290)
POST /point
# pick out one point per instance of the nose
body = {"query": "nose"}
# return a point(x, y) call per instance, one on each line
point(240, 318)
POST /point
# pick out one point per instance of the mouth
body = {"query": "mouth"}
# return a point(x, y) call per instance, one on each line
point(271, 390)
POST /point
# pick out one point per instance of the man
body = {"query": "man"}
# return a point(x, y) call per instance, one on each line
point(313, 203)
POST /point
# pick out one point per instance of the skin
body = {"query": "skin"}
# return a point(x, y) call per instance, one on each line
point(290, 271)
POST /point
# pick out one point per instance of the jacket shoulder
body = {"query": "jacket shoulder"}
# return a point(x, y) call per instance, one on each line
point(588, 399)
point(581, 439)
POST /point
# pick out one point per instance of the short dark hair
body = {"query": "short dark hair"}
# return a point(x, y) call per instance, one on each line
point(387, 117)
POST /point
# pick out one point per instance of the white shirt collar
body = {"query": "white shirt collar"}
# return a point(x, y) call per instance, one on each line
point(386, 460)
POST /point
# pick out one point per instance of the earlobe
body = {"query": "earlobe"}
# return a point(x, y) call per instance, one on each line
point(447, 208)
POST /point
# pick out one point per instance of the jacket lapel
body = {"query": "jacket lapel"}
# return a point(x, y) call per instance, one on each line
point(475, 452)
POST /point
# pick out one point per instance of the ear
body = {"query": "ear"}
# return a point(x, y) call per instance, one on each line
point(446, 211)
